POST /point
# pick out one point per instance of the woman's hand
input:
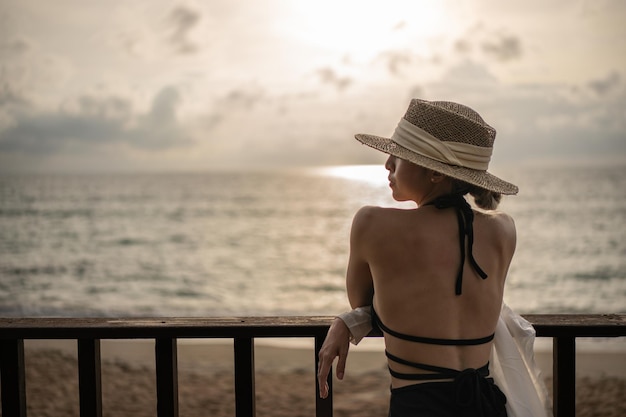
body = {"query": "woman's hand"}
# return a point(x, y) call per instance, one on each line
point(335, 345)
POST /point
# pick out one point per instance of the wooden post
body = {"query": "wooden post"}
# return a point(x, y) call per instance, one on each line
point(13, 377)
point(323, 406)
point(166, 357)
point(564, 376)
point(89, 377)
point(245, 401)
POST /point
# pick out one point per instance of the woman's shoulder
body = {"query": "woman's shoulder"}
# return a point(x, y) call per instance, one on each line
point(373, 224)
point(380, 220)
point(501, 227)
point(499, 219)
point(370, 214)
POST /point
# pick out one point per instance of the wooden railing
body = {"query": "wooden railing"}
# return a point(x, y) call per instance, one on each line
point(564, 329)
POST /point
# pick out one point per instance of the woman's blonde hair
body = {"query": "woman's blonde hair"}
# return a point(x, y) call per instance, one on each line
point(484, 199)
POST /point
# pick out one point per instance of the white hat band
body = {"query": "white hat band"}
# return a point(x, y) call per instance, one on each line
point(453, 153)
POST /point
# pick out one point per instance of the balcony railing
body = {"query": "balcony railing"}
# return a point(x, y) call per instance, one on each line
point(564, 329)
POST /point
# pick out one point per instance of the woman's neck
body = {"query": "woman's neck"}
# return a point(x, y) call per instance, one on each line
point(439, 190)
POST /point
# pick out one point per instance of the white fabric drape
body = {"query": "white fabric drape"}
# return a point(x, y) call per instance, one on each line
point(514, 370)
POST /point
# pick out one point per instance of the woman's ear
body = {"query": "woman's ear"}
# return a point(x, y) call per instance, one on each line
point(436, 177)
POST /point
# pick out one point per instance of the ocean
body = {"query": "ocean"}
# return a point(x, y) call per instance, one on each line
point(276, 242)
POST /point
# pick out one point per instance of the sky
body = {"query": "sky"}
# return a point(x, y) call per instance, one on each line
point(159, 85)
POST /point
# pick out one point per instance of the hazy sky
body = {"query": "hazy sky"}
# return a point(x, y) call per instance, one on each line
point(189, 85)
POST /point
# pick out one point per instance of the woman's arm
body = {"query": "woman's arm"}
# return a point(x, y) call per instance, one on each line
point(360, 288)
point(359, 282)
point(351, 326)
point(336, 345)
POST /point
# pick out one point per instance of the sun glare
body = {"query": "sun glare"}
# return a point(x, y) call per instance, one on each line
point(372, 174)
point(362, 29)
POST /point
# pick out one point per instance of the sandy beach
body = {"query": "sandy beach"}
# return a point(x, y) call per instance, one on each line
point(284, 380)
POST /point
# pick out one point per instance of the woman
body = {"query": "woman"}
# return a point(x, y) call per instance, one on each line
point(434, 275)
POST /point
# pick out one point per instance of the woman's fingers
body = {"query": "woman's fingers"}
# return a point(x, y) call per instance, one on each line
point(336, 344)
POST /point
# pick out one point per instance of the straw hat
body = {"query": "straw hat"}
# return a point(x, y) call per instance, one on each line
point(446, 137)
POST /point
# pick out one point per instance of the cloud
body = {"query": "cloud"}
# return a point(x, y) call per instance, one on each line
point(500, 46)
point(240, 100)
point(163, 109)
point(539, 121)
point(329, 76)
point(28, 71)
point(45, 133)
point(160, 129)
point(504, 48)
point(462, 46)
point(97, 121)
point(181, 21)
point(401, 25)
point(242, 97)
point(16, 45)
point(10, 98)
point(607, 84)
point(396, 60)
point(469, 74)
point(476, 44)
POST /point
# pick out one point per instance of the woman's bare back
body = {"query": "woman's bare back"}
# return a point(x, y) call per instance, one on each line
point(414, 257)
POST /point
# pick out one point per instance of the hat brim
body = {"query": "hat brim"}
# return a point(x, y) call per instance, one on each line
point(482, 179)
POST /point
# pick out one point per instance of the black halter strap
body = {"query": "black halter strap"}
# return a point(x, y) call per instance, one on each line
point(465, 218)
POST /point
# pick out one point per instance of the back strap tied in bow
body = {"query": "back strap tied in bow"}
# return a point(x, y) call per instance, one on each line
point(465, 218)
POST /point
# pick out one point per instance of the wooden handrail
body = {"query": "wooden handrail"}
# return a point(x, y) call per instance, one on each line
point(564, 329)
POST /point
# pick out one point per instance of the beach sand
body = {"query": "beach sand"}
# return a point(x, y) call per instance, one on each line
point(285, 380)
